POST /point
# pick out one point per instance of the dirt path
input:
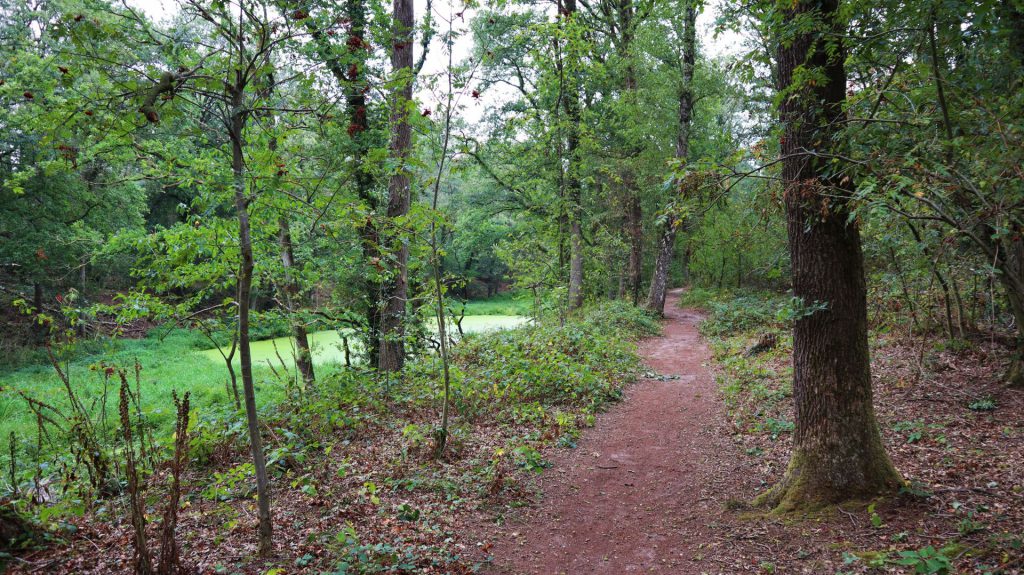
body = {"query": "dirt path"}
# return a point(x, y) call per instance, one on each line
point(643, 491)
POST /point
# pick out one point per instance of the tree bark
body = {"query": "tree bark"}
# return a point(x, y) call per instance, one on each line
point(396, 288)
point(574, 187)
point(1010, 277)
point(291, 289)
point(659, 279)
point(635, 233)
point(1012, 268)
point(667, 238)
point(352, 80)
point(634, 208)
point(237, 129)
point(303, 357)
point(354, 83)
point(837, 448)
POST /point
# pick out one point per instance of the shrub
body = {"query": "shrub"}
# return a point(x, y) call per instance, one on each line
point(581, 363)
point(733, 311)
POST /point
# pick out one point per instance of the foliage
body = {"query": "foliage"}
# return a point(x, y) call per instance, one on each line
point(736, 311)
point(583, 363)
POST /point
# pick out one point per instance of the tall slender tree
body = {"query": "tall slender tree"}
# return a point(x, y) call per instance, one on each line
point(396, 288)
point(569, 66)
point(243, 65)
point(672, 218)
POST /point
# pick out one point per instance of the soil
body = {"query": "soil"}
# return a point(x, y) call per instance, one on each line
point(643, 490)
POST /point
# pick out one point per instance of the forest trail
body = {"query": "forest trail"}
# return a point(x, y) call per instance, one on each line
point(642, 491)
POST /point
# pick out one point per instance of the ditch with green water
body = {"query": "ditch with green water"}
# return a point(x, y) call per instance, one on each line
point(181, 360)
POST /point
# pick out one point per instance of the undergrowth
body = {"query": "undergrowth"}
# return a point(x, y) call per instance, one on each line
point(942, 441)
point(754, 387)
point(363, 442)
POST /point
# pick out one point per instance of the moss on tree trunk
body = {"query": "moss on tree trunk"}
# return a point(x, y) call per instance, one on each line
point(838, 453)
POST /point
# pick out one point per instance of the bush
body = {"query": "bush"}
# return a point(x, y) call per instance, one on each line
point(732, 311)
point(583, 363)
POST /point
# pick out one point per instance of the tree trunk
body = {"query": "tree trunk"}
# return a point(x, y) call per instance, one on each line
point(574, 187)
point(659, 280)
point(635, 232)
point(938, 277)
point(40, 329)
point(245, 272)
point(354, 83)
point(906, 290)
point(667, 238)
point(1010, 263)
point(837, 449)
point(303, 357)
point(396, 287)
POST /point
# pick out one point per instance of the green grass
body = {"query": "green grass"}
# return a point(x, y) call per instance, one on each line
point(168, 363)
point(549, 374)
point(755, 388)
point(177, 360)
point(506, 303)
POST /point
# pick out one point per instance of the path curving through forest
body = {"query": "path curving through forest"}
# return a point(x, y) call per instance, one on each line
point(642, 493)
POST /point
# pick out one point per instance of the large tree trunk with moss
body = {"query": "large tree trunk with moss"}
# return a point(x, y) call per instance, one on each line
point(671, 223)
point(837, 449)
point(353, 81)
point(396, 287)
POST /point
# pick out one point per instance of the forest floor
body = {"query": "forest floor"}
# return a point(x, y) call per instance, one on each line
point(661, 483)
point(658, 482)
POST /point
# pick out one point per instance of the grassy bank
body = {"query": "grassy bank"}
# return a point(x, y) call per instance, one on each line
point(174, 359)
point(505, 303)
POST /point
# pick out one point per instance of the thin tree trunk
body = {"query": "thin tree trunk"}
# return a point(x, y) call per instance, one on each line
point(906, 291)
point(441, 437)
point(635, 233)
point(37, 302)
point(303, 357)
point(574, 188)
point(237, 129)
point(659, 280)
point(667, 239)
point(837, 448)
point(959, 305)
point(291, 289)
point(938, 276)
